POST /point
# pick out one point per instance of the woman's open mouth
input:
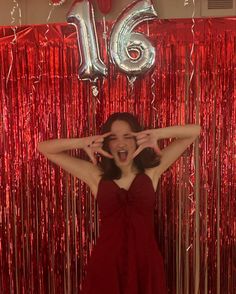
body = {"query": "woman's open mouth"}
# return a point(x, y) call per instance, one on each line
point(122, 154)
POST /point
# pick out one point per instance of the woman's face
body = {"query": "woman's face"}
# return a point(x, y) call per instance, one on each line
point(121, 143)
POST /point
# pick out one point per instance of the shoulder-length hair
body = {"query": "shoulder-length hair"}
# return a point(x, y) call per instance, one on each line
point(147, 158)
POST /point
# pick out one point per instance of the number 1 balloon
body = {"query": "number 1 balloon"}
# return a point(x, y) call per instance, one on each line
point(81, 15)
point(123, 41)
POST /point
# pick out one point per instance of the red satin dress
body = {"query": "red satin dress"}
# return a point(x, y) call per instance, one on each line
point(126, 258)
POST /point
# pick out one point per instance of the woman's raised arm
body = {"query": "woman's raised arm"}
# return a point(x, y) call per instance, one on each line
point(184, 135)
point(86, 171)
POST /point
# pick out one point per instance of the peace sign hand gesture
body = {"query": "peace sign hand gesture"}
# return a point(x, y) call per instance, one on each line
point(93, 145)
point(145, 139)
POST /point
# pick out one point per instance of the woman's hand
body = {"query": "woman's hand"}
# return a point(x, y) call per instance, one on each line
point(145, 139)
point(93, 145)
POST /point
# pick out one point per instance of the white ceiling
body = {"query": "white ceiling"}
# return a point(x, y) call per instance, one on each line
point(37, 11)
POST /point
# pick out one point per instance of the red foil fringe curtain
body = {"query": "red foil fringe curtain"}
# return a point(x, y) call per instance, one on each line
point(50, 221)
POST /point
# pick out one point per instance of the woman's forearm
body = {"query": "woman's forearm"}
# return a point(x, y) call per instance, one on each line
point(187, 131)
point(59, 145)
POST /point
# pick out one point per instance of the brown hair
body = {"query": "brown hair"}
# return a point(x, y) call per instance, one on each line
point(147, 158)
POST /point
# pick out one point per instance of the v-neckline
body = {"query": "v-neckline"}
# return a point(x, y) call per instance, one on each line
point(130, 184)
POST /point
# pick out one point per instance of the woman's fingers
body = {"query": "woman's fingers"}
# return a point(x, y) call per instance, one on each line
point(106, 134)
point(138, 135)
point(100, 138)
point(147, 139)
point(97, 139)
point(92, 157)
point(157, 150)
point(97, 144)
point(141, 141)
point(143, 136)
point(134, 133)
point(140, 148)
point(105, 153)
point(146, 145)
point(97, 148)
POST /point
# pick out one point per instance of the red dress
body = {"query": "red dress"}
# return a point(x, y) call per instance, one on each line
point(126, 258)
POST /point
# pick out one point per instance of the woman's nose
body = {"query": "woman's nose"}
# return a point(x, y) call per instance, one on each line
point(121, 143)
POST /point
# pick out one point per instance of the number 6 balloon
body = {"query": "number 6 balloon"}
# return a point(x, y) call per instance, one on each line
point(123, 40)
point(81, 15)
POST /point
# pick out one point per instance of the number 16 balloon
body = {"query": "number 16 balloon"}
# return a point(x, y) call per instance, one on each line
point(123, 40)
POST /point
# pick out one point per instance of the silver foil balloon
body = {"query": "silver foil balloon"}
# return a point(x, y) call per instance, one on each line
point(123, 41)
point(81, 15)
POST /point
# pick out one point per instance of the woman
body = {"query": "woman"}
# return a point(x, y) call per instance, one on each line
point(126, 258)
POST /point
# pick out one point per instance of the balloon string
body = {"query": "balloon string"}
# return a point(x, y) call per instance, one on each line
point(13, 42)
point(148, 31)
point(54, 4)
point(153, 87)
point(15, 6)
point(193, 44)
point(186, 2)
point(191, 194)
point(105, 30)
point(50, 12)
point(9, 71)
point(189, 247)
point(131, 80)
point(104, 35)
point(95, 91)
point(190, 80)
